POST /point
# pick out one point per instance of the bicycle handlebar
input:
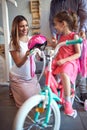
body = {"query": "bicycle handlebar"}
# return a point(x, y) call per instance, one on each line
point(41, 53)
point(69, 42)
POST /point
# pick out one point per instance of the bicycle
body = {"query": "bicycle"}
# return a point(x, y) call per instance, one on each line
point(42, 111)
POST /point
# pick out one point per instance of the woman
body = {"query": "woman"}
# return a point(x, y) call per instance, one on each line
point(22, 74)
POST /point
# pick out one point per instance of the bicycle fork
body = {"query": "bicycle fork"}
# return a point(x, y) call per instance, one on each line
point(44, 106)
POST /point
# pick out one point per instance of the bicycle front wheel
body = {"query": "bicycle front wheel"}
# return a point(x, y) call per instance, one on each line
point(24, 119)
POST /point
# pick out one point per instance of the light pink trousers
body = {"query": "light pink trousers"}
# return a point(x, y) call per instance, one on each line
point(23, 89)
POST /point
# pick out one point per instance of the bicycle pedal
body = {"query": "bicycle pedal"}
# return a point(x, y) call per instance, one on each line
point(41, 110)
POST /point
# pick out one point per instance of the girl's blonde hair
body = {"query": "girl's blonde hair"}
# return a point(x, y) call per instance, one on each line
point(14, 31)
point(70, 17)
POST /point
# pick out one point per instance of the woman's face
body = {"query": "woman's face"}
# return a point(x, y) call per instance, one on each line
point(23, 28)
point(59, 26)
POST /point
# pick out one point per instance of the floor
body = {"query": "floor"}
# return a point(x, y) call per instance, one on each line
point(8, 111)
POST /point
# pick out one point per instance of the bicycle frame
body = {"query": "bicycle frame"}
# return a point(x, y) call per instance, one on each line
point(50, 90)
point(49, 96)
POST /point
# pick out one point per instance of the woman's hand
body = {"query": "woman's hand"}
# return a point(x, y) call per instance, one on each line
point(19, 60)
point(27, 53)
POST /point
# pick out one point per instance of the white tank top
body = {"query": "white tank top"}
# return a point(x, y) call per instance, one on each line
point(25, 70)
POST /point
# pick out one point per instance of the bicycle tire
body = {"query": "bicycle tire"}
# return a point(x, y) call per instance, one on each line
point(25, 109)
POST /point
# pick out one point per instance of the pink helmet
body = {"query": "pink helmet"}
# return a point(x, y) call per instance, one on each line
point(38, 41)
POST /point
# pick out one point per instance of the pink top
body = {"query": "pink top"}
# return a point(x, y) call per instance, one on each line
point(70, 67)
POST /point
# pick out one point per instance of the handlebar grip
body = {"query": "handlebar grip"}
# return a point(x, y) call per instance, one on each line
point(74, 41)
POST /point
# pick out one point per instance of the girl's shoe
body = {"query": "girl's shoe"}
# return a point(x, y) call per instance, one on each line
point(68, 110)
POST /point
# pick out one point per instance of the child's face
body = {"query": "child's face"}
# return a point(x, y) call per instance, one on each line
point(23, 28)
point(59, 26)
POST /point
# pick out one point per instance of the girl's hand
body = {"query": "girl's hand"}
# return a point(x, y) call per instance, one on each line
point(51, 43)
point(61, 62)
point(54, 40)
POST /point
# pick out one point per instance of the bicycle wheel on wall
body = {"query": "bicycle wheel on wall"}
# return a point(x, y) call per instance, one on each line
point(24, 119)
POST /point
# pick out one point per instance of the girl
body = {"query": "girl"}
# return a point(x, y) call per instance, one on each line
point(66, 61)
point(80, 8)
point(22, 80)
